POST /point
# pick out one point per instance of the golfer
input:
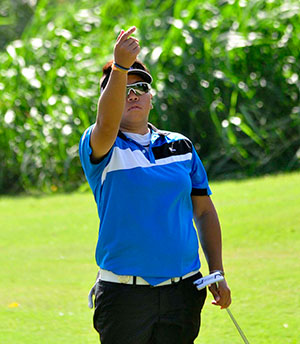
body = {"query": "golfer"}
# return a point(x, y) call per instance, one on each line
point(149, 185)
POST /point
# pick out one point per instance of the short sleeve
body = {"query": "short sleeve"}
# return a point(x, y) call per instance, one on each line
point(198, 175)
point(92, 171)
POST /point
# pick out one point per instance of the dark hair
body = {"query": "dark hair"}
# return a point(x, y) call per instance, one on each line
point(106, 70)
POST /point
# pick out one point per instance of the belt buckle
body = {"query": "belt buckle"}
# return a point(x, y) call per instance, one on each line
point(123, 279)
point(175, 280)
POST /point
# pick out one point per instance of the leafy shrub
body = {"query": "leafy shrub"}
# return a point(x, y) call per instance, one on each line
point(14, 16)
point(225, 74)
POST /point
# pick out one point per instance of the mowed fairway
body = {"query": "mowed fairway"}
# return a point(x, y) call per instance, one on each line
point(47, 265)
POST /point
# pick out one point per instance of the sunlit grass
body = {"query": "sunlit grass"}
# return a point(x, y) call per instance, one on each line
point(47, 265)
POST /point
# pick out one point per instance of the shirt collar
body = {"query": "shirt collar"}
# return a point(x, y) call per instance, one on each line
point(152, 128)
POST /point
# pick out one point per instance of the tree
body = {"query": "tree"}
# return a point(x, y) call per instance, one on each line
point(14, 16)
point(226, 74)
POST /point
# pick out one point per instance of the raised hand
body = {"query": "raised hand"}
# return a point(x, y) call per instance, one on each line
point(126, 48)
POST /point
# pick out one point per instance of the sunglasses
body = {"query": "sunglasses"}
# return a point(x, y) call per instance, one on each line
point(138, 88)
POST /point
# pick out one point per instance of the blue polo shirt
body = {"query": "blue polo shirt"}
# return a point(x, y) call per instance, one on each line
point(144, 205)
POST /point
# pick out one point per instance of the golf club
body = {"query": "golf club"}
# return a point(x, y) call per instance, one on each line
point(237, 326)
point(215, 278)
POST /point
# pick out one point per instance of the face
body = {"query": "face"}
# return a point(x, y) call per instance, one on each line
point(137, 108)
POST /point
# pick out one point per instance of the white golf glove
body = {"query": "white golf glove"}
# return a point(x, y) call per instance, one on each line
point(92, 292)
point(202, 282)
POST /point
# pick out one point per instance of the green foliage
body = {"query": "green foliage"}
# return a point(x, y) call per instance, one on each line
point(14, 16)
point(226, 74)
point(229, 80)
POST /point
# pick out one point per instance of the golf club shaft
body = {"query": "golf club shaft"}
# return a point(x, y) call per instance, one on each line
point(237, 326)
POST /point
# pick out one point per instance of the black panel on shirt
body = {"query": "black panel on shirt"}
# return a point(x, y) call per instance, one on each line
point(120, 134)
point(199, 192)
point(166, 150)
point(96, 161)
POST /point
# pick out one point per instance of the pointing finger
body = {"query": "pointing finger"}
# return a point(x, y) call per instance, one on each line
point(127, 33)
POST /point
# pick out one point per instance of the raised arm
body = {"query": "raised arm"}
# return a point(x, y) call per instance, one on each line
point(112, 100)
point(208, 226)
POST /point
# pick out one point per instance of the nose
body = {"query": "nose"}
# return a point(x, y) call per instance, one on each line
point(132, 97)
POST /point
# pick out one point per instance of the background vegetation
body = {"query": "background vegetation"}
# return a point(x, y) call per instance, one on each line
point(14, 16)
point(48, 268)
point(226, 74)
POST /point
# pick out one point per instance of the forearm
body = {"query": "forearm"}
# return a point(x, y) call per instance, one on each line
point(209, 231)
point(112, 101)
point(113, 98)
point(208, 226)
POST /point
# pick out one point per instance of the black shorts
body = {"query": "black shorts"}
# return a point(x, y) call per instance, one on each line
point(137, 314)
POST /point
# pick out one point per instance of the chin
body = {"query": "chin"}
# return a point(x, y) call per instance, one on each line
point(134, 119)
point(134, 116)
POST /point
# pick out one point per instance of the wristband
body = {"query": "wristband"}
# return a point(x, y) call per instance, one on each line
point(121, 67)
point(116, 67)
point(219, 271)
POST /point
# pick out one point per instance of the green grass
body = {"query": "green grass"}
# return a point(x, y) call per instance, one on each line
point(47, 265)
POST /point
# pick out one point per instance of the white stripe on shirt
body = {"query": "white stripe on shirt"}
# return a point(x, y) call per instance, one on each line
point(125, 159)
